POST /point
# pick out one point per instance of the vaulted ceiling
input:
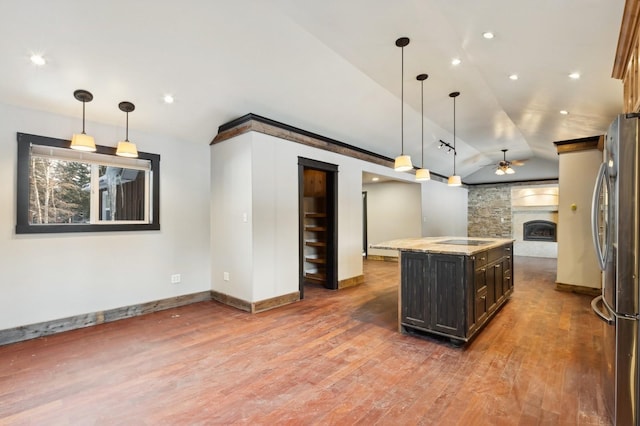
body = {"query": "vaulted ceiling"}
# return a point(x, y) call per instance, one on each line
point(330, 67)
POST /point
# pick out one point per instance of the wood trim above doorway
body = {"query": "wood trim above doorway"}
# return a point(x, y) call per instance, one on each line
point(255, 123)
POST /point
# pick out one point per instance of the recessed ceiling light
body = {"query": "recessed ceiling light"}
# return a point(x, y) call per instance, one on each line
point(564, 112)
point(488, 35)
point(38, 59)
point(168, 99)
point(574, 75)
point(455, 61)
point(513, 76)
point(375, 179)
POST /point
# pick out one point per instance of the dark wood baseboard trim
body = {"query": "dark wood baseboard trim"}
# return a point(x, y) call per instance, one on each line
point(32, 331)
point(275, 302)
point(350, 282)
point(578, 289)
point(255, 307)
point(225, 299)
point(383, 258)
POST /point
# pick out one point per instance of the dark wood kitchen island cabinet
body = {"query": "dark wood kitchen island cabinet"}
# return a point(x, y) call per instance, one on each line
point(452, 286)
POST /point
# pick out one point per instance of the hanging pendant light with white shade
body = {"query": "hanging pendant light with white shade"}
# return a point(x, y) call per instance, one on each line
point(82, 141)
point(126, 148)
point(422, 174)
point(454, 180)
point(402, 162)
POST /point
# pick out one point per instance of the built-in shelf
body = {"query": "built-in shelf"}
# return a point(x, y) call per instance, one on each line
point(315, 276)
point(315, 243)
point(315, 259)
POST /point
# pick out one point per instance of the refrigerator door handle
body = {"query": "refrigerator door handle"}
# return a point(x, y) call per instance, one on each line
point(604, 317)
point(601, 252)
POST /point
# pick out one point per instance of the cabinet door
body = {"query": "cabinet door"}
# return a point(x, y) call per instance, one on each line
point(415, 289)
point(507, 284)
point(447, 285)
point(480, 295)
point(490, 278)
point(499, 282)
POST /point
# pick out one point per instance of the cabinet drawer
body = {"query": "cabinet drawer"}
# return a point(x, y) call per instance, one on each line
point(481, 259)
point(495, 254)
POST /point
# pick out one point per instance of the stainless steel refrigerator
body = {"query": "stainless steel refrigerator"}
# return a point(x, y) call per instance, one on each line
point(616, 226)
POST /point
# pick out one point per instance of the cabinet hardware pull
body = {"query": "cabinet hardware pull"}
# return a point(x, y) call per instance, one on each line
point(496, 266)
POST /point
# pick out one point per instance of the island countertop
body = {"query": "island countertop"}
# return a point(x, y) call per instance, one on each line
point(445, 245)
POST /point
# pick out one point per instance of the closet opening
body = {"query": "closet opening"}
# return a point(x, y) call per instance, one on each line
point(318, 224)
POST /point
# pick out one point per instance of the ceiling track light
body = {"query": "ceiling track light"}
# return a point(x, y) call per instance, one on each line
point(126, 148)
point(82, 141)
point(422, 174)
point(402, 162)
point(454, 180)
point(446, 145)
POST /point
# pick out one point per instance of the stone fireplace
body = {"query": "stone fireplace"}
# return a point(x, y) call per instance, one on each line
point(534, 212)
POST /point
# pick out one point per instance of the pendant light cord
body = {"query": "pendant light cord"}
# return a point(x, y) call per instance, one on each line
point(83, 102)
point(422, 116)
point(402, 102)
point(127, 136)
point(454, 136)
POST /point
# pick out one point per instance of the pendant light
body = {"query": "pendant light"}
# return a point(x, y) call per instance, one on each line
point(454, 180)
point(126, 148)
point(82, 141)
point(422, 174)
point(402, 162)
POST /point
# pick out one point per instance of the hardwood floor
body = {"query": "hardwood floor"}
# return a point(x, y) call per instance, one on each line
point(333, 358)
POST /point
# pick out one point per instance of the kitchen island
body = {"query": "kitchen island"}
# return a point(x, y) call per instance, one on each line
point(451, 286)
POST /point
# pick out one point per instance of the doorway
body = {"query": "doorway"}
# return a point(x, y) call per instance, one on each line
point(365, 251)
point(318, 224)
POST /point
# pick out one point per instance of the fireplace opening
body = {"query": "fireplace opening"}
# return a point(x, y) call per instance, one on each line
point(539, 230)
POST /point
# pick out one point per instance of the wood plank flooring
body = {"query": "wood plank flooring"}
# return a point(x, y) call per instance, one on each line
point(333, 358)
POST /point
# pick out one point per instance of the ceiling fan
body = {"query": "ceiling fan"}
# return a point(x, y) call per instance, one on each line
point(504, 166)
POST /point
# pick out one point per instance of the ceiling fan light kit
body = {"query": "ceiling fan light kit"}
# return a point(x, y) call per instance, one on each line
point(504, 166)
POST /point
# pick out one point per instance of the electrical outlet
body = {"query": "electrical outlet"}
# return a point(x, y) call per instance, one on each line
point(175, 278)
point(225, 276)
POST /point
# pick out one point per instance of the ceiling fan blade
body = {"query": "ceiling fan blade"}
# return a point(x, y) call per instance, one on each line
point(518, 162)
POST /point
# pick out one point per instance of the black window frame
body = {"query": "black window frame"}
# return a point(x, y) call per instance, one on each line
point(23, 226)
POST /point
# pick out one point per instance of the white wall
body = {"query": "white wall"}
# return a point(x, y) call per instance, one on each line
point(264, 255)
point(47, 277)
point(577, 263)
point(231, 246)
point(394, 210)
point(444, 210)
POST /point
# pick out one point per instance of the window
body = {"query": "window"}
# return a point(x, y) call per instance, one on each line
point(62, 190)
